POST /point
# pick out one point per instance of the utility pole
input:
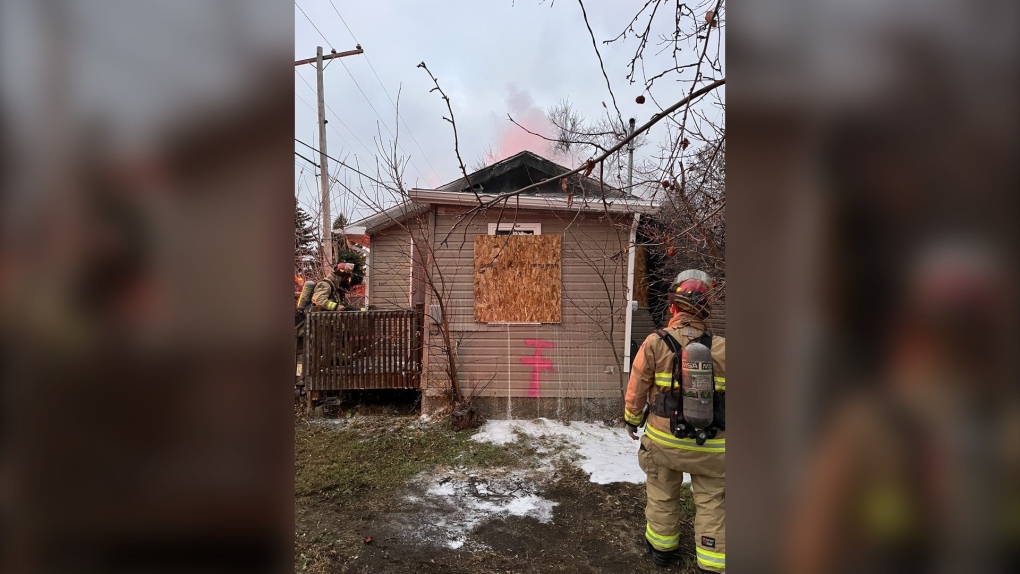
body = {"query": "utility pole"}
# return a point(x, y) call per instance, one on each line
point(327, 225)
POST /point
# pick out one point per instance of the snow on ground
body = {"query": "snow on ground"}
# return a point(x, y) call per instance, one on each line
point(608, 454)
point(455, 502)
point(452, 503)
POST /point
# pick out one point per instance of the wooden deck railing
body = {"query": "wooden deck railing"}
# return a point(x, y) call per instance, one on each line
point(348, 350)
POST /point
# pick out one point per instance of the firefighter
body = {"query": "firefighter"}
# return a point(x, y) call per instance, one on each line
point(329, 293)
point(670, 446)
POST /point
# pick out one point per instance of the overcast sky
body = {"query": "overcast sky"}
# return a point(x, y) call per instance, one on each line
point(492, 58)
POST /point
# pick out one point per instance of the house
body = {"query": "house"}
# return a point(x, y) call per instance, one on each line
point(534, 289)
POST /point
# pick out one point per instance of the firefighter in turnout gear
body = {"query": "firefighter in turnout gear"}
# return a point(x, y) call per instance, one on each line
point(329, 293)
point(671, 398)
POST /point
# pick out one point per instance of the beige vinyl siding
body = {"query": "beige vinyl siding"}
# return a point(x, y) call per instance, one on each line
point(717, 321)
point(594, 270)
point(389, 274)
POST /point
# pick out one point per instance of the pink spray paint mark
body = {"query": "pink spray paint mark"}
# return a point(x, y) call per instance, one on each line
point(538, 362)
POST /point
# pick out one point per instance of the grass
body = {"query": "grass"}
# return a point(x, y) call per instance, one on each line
point(366, 456)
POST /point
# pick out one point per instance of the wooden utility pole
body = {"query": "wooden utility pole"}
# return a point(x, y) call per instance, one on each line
point(327, 224)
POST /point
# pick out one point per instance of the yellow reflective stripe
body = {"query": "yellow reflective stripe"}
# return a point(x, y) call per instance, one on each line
point(664, 379)
point(720, 388)
point(709, 558)
point(631, 418)
point(659, 541)
point(720, 383)
point(331, 305)
point(668, 440)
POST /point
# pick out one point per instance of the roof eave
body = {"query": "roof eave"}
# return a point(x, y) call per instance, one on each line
point(613, 205)
point(387, 218)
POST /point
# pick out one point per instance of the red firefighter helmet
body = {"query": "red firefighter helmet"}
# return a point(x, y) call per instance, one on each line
point(344, 268)
point(689, 292)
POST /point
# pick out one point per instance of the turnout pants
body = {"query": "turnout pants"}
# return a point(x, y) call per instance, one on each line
point(665, 458)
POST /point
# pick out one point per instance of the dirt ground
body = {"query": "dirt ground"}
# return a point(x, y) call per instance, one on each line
point(373, 519)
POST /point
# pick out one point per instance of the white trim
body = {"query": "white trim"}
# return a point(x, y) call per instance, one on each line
point(613, 205)
point(368, 277)
point(629, 324)
point(534, 228)
point(410, 274)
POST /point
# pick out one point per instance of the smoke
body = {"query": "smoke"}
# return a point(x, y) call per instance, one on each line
point(512, 139)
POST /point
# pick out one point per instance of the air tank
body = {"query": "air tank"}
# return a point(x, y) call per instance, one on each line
point(306, 294)
point(697, 385)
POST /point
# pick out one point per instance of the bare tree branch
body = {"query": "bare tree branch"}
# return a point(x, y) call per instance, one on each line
point(453, 122)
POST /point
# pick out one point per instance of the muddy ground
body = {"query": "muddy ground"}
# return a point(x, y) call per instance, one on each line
point(355, 516)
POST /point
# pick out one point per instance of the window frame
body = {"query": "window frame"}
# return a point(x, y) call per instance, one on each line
point(534, 228)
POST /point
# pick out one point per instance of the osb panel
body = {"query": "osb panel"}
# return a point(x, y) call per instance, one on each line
point(641, 276)
point(517, 278)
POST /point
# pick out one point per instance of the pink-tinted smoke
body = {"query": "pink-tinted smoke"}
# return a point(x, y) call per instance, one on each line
point(512, 139)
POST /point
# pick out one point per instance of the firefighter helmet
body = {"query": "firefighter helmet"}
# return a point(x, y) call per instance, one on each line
point(344, 269)
point(689, 292)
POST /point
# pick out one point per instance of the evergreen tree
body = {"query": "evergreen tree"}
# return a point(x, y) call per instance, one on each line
point(304, 242)
point(340, 222)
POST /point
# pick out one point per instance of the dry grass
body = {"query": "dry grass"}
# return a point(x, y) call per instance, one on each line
point(351, 478)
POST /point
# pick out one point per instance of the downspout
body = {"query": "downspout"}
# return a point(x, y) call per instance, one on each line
point(410, 278)
point(631, 248)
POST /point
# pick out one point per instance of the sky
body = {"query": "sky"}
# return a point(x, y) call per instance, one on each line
point(492, 58)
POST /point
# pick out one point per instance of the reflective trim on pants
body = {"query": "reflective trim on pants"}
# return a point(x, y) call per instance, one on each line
point(709, 559)
point(668, 440)
point(720, 383)
point(661, 542)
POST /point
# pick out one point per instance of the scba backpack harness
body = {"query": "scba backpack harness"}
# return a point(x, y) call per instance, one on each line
point(694, 408)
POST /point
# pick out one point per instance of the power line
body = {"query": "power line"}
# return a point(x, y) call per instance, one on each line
point(385, 91)
point(339, 119)
point(314, 26)
point(315, 165)
point(355, 170)
point(309, 105)
point(411, 161)
point(377, 115)
point(360, 199)
point(367, 99)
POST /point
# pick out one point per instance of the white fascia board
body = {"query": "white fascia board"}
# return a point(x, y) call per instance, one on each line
point(535, 202)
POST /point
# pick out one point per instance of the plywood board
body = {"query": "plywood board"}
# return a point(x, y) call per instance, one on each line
point(517, 278)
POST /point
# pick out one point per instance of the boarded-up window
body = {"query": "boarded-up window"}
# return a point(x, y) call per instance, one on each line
point(517, 278)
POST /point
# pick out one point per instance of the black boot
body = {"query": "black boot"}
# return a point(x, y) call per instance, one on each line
point(661, 558)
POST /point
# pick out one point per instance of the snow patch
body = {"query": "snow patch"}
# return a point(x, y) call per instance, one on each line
point(607, 454)
point(454, 504)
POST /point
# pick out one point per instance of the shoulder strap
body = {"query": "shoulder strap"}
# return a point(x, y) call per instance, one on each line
point(675, 347)
point(672, 343)
point(705, 339)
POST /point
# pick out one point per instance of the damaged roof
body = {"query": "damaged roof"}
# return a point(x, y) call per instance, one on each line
point(507, 176)
point(526, 168)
